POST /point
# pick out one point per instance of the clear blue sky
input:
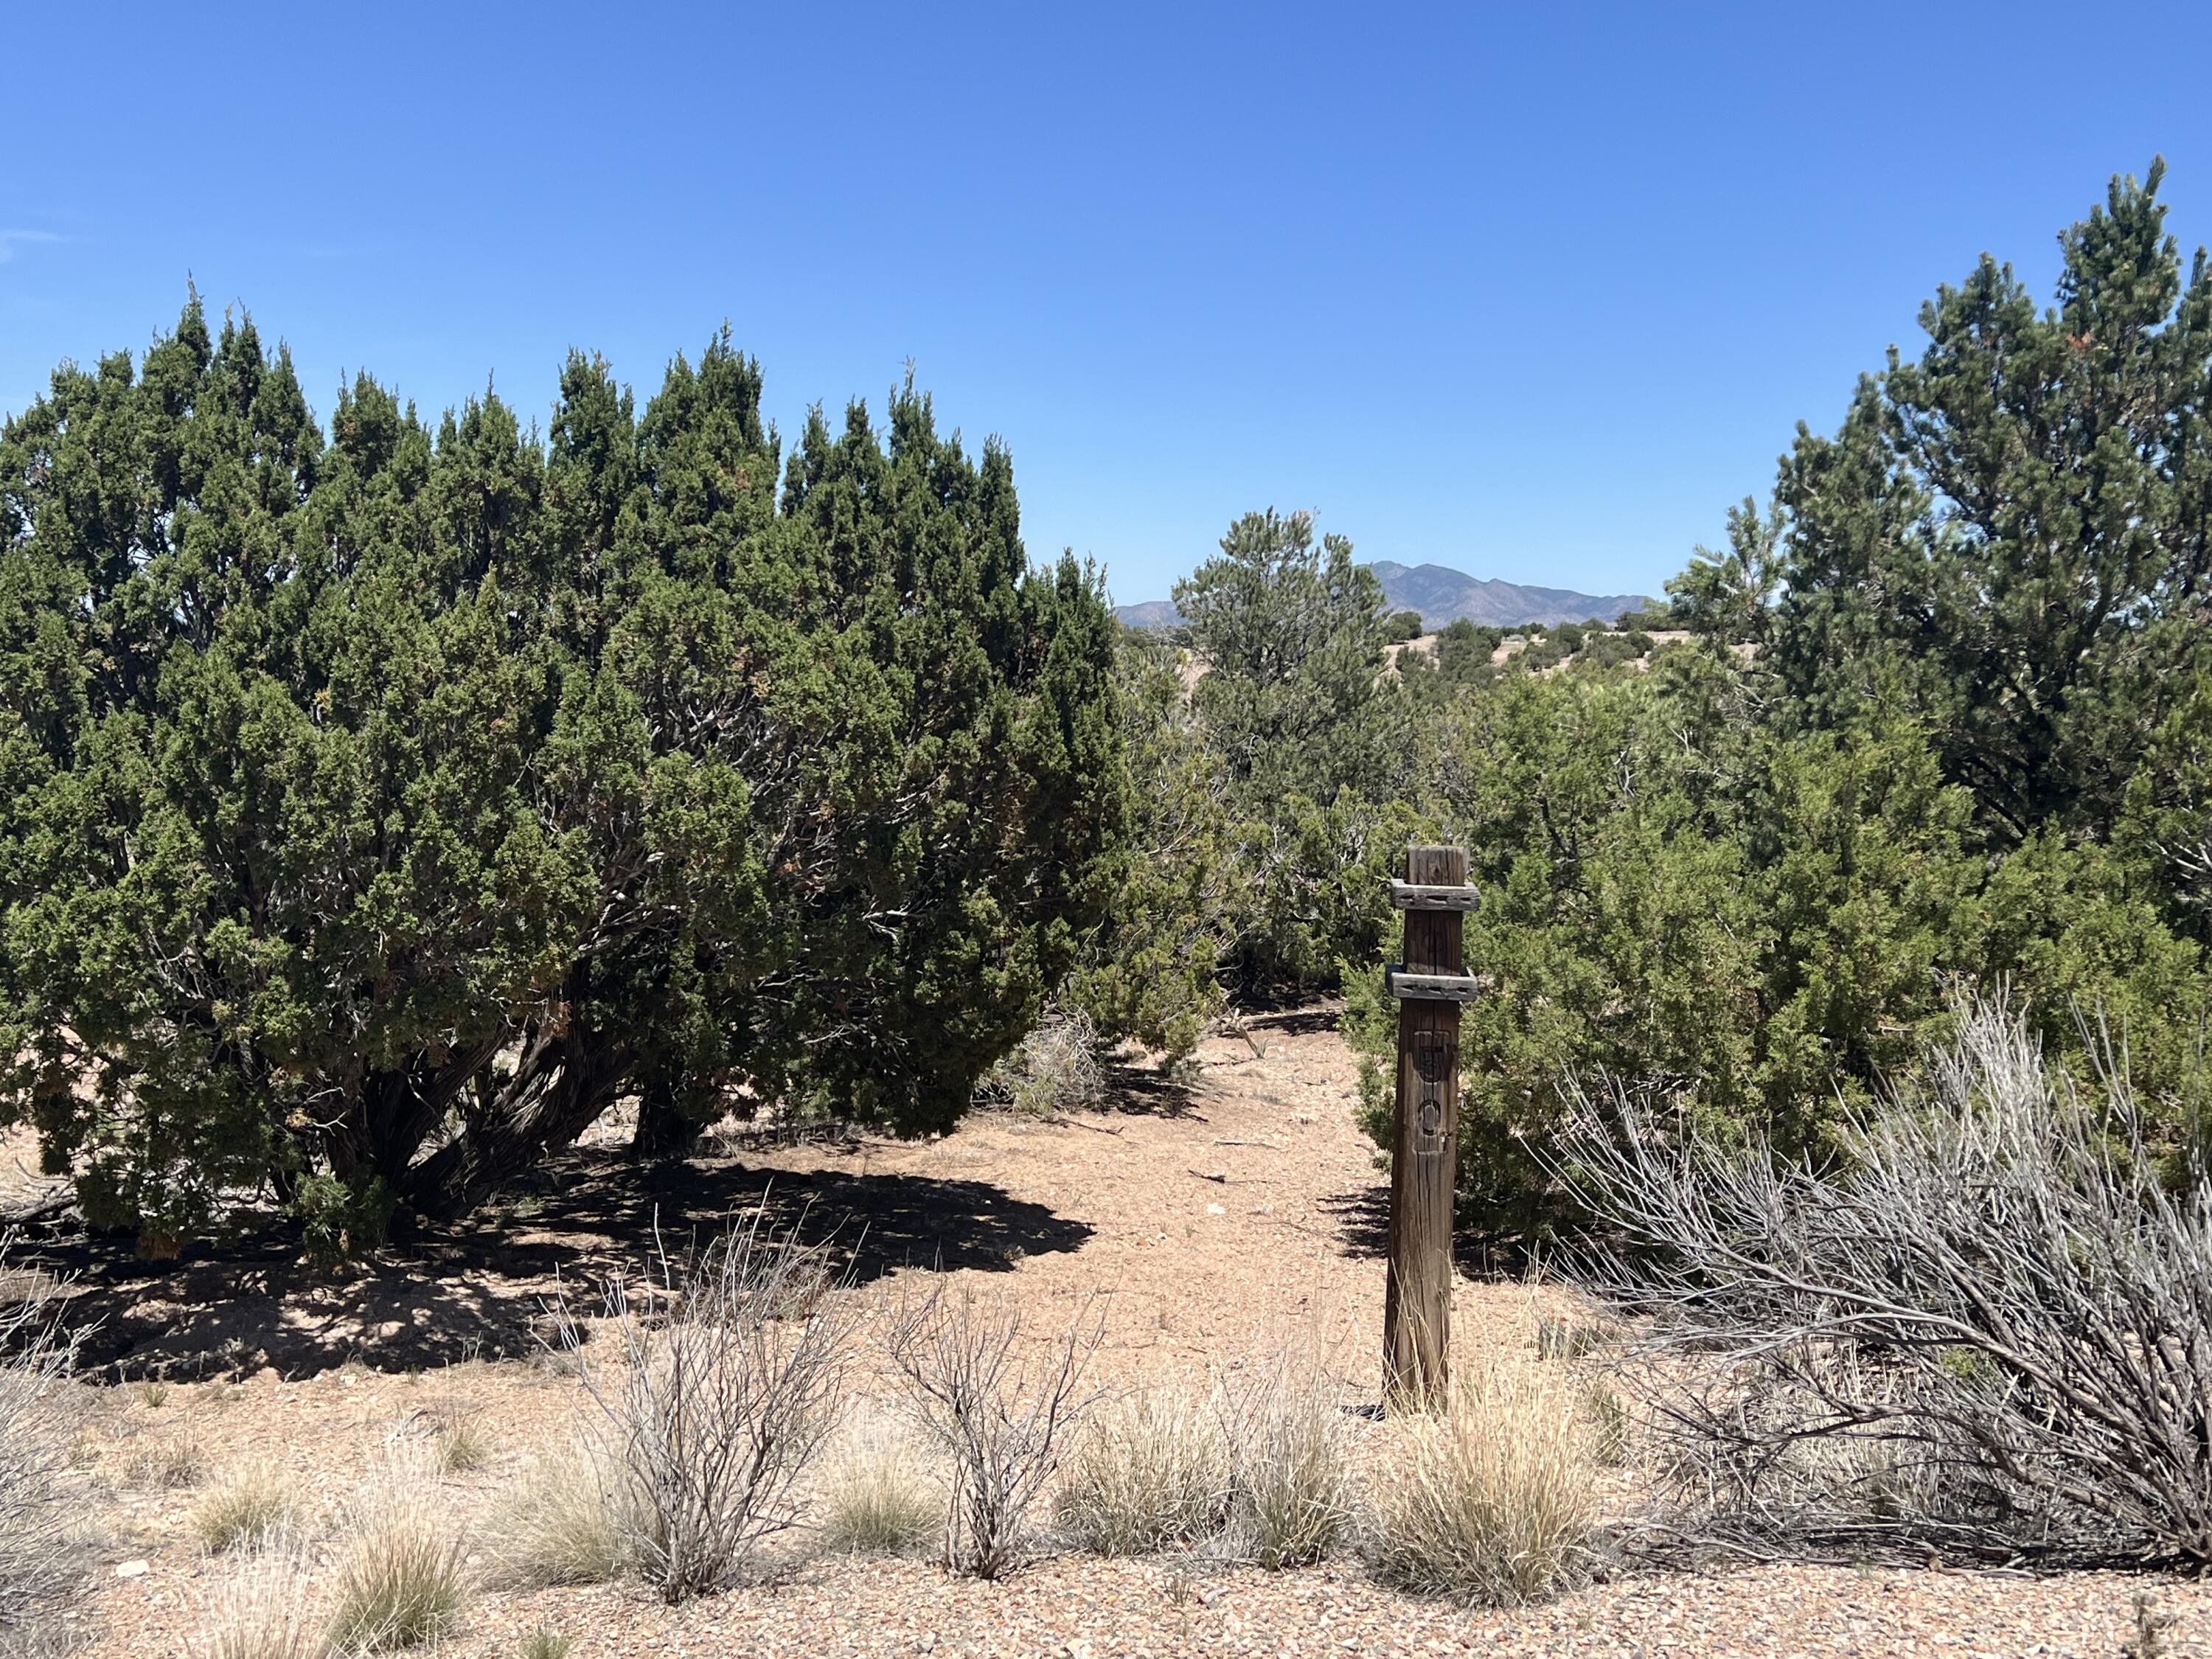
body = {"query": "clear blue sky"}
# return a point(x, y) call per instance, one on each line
point(1535, 291)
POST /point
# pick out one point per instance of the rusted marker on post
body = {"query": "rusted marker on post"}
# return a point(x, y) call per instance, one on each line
point(1430, 985)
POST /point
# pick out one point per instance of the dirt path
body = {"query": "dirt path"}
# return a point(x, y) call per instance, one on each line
point(1193, 1220)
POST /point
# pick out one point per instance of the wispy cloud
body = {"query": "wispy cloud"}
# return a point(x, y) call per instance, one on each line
point(12, 240)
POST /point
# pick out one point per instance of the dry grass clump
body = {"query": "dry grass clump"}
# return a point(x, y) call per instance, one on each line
point(1290, 1478)
point(249, 1506)
point(1001, 1417)
point(463, 1445)
point(172, 1463)
point(39, 1560)
point(715, 1412)
point(1056, 1069)
point(1149, 1471)
point(1492, 1498)
point(879, 1495)
point(403, 1580)
point(545, 1642)
point(561, 1524)
point(264, 1610)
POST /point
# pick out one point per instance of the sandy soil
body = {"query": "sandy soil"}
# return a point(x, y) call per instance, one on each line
point(1194, 1219)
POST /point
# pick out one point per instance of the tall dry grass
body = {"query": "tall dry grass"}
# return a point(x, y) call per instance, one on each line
point(402, 1580)
point(562, 1521)
point(1494, 1498)
point(248, 1505)
point(264, 1608)
point(1289, 1470)
point(881, 1495)
point(1149, 1471)
point(40, 1557)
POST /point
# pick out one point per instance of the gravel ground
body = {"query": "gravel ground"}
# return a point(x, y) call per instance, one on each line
point(1195, 1222)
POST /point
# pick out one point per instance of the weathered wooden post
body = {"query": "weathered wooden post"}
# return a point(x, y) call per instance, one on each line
point(1430, 985)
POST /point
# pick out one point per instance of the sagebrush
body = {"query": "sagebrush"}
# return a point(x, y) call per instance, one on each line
point(1987, 1325)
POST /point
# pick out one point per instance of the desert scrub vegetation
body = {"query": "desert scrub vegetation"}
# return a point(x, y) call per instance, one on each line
point(879, 1494)
point(245, 1506)
point(39, 1549)
point(724, 1387)
point(565, 1520)
point(264, 1609)
point(1149, 1471)
point(1054, 1069)
point(998, 1412)
point(1290, 1473)
point(602, 954)
point(1985, 1328)
point(402, 1578)
point(1493, 1497)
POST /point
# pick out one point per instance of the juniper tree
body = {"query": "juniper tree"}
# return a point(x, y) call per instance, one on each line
point(380, 807)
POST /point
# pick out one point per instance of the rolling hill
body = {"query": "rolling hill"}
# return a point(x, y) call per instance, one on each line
point(1443, 595)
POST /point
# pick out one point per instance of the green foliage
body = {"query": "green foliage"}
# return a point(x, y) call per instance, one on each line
point(2014, 526)
point(1403, 625)
point(1763, 927)
point(1314, 739)
point(404, 788)
point(1948, 724)
point(1153, 970)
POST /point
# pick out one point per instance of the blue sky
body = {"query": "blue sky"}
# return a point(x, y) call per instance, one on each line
point(1536, 292)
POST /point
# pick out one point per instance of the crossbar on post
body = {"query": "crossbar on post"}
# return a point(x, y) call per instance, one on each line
point(1430, 986)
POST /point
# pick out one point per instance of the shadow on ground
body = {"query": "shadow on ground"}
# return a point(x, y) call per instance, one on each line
point(482, 1287)
point(1360, 1217)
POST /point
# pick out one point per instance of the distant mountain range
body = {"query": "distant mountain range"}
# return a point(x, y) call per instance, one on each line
point(1443, 595)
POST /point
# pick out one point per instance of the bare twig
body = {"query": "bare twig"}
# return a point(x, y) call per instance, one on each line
point(1988, 1330)
point(1000, 1420)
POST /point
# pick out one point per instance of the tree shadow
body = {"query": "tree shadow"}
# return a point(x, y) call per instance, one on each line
point(485, 1286)
point(1361, 1219)
point(1138, 1089)
point(1310, 1020)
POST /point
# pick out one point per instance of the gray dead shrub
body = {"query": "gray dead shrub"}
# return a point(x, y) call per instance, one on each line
point(1054, 1069)
point(998, 1408)
point(724, 1388)
point(1986, 1328)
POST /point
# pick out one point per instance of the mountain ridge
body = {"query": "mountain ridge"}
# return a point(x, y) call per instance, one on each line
point(1443, 595)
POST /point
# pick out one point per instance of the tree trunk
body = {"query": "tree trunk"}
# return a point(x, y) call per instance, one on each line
point(665, 1129)
point(548, 1105)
